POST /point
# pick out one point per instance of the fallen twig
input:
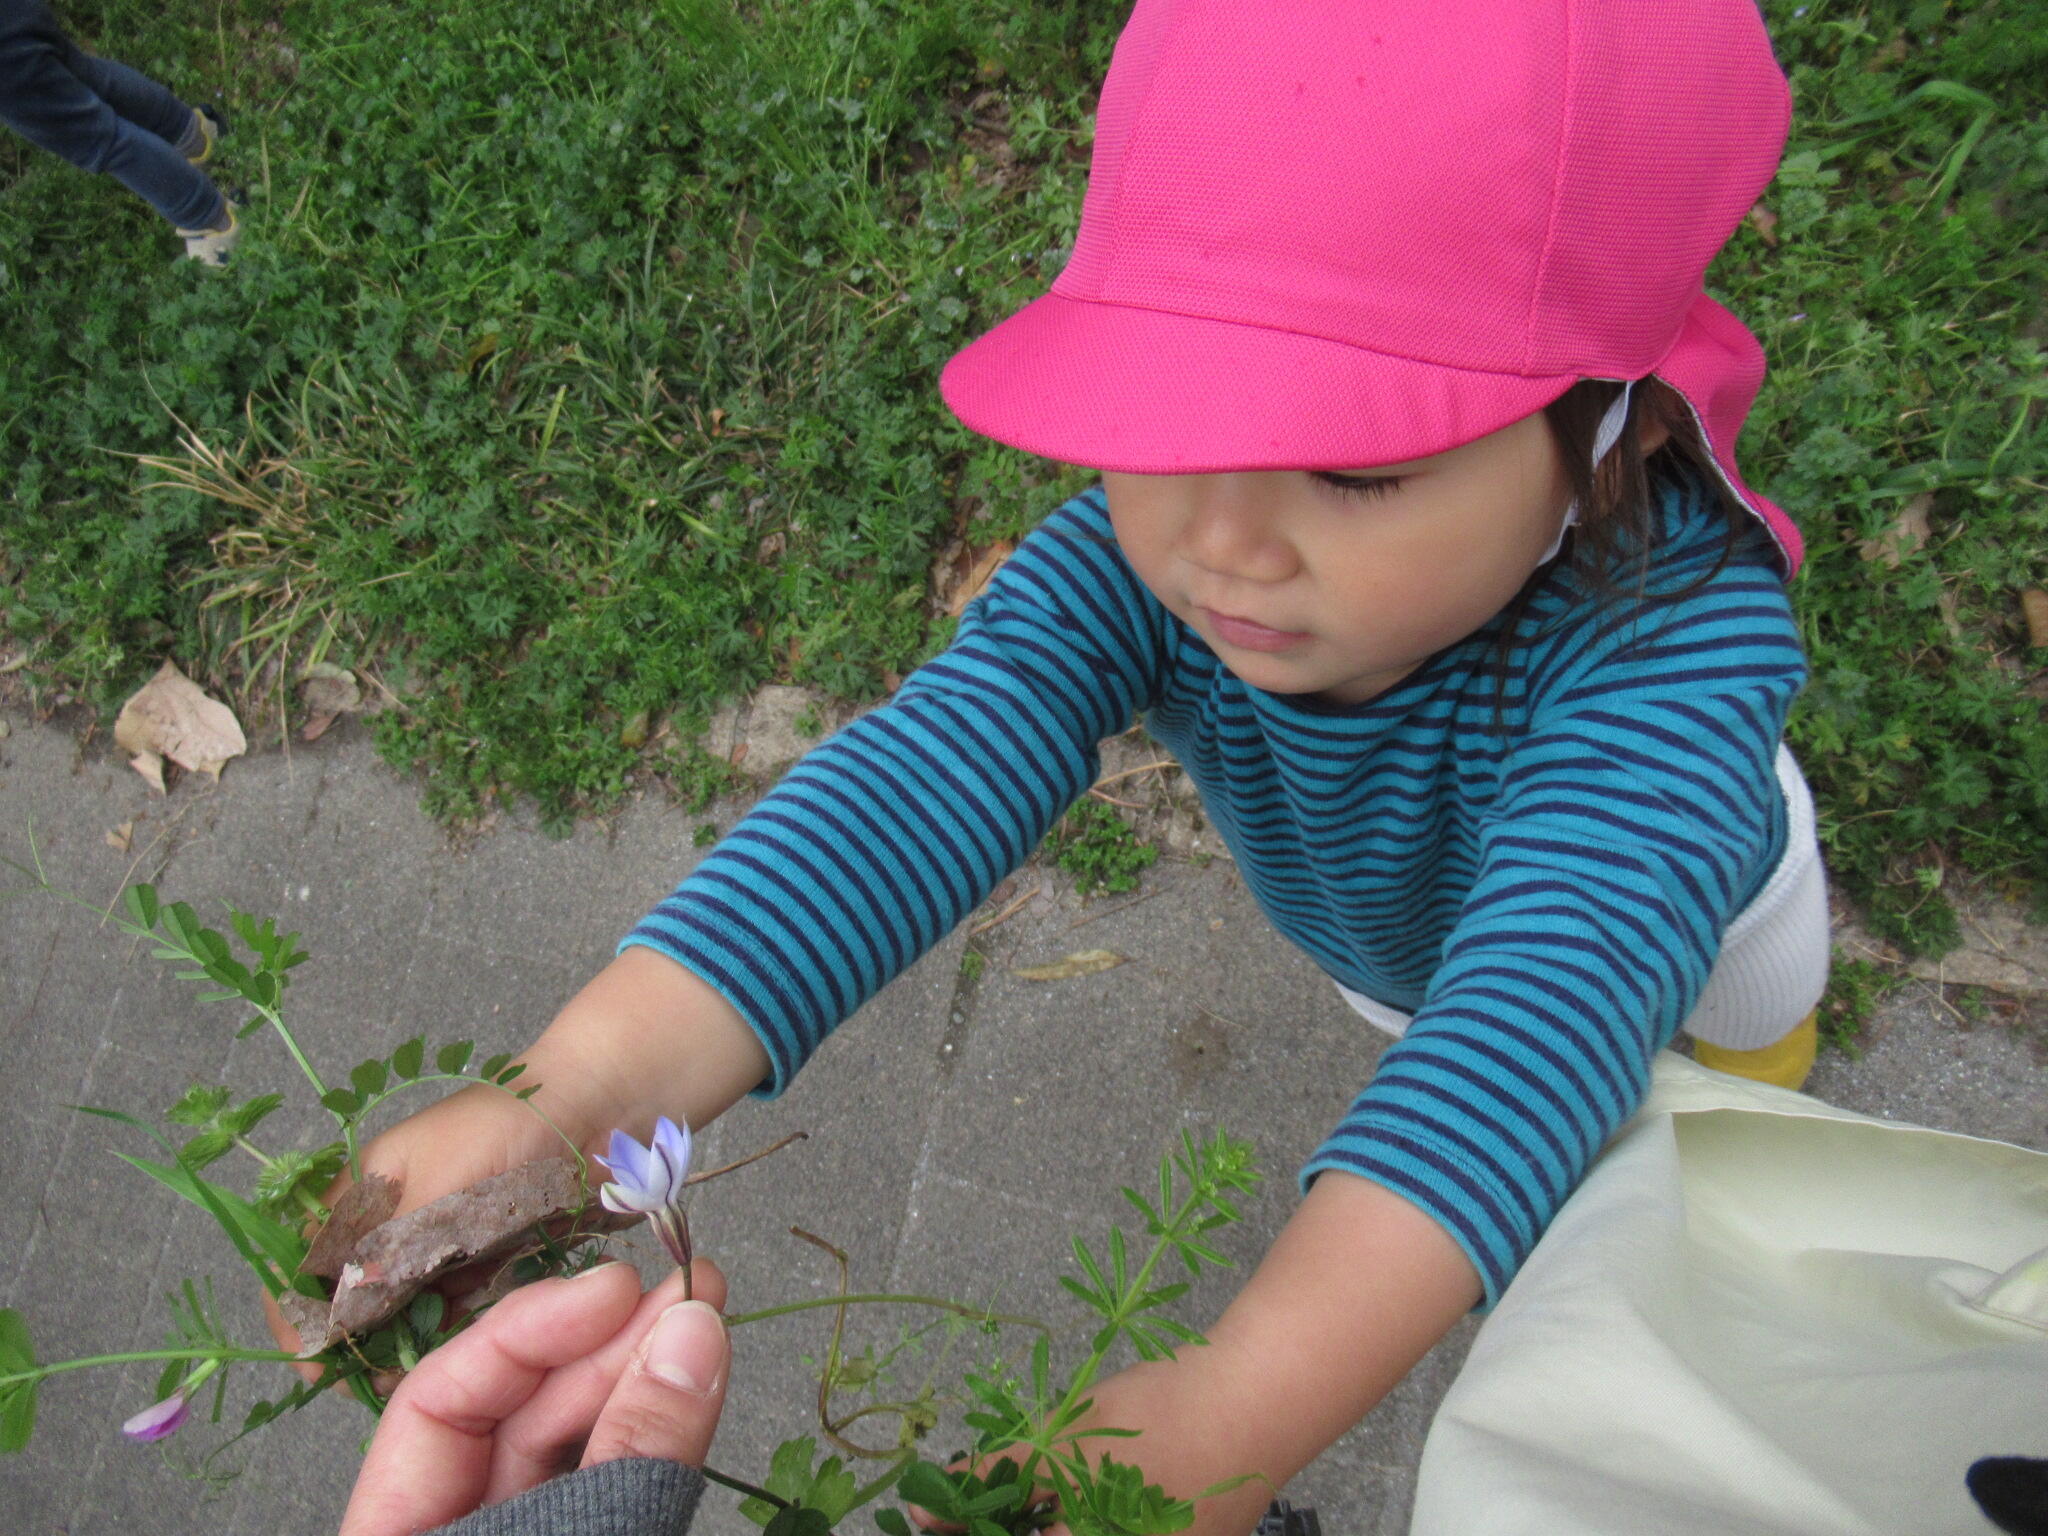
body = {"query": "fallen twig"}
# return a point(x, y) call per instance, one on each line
point(1128, 773)
point(1129, 805)
point(1007, 913)
point(751, 1157)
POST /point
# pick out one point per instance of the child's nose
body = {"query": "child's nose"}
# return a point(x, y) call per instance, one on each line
point(1233, 530)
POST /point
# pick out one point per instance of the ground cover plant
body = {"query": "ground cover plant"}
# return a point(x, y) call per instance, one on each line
point(579, 371)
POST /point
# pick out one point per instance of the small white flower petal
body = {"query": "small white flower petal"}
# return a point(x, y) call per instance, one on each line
point(620, 1201)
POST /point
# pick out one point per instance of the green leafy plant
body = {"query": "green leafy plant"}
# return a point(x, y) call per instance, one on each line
point(1032, 1430)
point(1099, 849)
point(1855, 988)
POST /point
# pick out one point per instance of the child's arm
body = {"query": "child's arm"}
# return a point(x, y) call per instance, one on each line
point(868, 853)
point(644, 1038)
point(1357, 1288)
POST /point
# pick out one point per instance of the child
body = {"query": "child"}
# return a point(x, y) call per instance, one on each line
point(104, 116)
point(1421, 544)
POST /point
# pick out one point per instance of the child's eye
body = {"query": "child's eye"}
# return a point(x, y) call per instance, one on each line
point(1359, 485)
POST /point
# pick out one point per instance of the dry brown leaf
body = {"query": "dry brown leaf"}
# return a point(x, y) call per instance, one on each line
point(978, 576)
point(1906, 535)
point(122, 838)
point(171, 716)
point(1084, 963)
point(1764, 222)
point(2034, 604)
point(770, 549)
point(329, 692)
point(151, 767)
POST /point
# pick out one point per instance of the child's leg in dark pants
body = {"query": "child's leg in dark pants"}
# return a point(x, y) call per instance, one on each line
point(101, 116)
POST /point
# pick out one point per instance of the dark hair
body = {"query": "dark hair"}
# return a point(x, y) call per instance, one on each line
point(1614, 541)
point(1610, 551)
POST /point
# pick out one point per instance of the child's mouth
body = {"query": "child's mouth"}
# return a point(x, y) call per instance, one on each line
point(1248, 636)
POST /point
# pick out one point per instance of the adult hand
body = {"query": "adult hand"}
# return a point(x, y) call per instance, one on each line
point(559, 1375)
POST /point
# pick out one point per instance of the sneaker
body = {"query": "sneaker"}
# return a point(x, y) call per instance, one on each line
point(212, 247)
point(209, 126)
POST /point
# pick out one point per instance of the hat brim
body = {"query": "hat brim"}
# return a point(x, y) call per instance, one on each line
point(1142, 391)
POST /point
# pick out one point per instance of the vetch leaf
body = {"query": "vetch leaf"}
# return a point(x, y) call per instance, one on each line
point(452, 1058)
point(341, 1101)
point(369, 1078)
point(509, 1073)
point(407, 1060)
point(17, 1417)
point(142, 904)
point(493, 1065)
point(16, 1351)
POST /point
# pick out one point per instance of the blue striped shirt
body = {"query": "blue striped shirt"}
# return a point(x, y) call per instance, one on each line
point(1533, 851)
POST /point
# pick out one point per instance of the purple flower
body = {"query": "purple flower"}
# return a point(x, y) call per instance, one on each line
point(159, 1421)
point(650, 1177)
point(648, 1181)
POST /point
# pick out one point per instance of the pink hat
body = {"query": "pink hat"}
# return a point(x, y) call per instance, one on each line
point(1328, 234)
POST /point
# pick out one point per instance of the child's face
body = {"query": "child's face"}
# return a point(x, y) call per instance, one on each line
point(1303, 586)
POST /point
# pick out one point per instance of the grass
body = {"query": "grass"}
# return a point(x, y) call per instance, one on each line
point(1855, 989)
point(579, 372)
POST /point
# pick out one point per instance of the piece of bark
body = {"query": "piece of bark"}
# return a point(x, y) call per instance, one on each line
point(361, 1208)
point(392, 1263)
point(310, 1319)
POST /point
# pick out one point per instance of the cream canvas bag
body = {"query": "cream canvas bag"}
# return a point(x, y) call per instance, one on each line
point(1759, 1314)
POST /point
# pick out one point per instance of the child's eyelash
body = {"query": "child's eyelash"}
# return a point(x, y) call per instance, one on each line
point(1360, 485)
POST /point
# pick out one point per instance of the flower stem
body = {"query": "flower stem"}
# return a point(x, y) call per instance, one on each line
point(37, 1373)
point(737, 1485)
point(941, 1303)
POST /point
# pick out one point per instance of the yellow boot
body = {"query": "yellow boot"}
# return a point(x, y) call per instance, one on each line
point(1783, 1063)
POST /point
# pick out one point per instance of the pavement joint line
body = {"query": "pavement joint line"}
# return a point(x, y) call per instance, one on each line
point(24, 1265)
point(954, 1181)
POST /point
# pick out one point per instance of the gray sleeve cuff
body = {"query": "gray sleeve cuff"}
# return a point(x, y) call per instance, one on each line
point(634, 1496)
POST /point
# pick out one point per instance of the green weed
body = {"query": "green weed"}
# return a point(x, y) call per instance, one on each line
point(1098, 848)
point(1855, 988)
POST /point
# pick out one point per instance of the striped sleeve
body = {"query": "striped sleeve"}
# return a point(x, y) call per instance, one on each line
point(1636, 815)
point(885, 836)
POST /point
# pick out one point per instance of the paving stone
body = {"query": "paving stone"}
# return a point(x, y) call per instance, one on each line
point(961, 1127)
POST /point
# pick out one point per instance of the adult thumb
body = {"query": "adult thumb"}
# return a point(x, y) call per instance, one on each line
point(666, 1404)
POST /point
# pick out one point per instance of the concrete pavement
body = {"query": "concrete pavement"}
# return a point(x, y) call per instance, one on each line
point(960, 1129)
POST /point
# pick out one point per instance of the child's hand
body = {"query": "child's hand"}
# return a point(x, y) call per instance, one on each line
point(1183, 1443)
point(644, 1038)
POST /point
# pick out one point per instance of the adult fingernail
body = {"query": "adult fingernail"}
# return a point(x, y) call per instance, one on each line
point(688, 1347)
